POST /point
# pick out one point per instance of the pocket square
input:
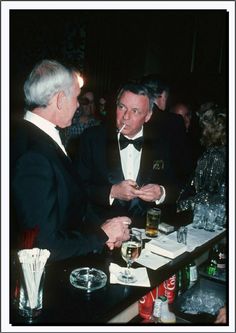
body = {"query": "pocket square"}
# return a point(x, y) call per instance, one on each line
point(158, 165)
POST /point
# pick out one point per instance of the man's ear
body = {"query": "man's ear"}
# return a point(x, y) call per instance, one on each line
point(60, 99)
point(148, 116)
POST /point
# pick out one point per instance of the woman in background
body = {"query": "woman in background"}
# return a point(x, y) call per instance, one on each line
point(208, 184)
point(209, 181)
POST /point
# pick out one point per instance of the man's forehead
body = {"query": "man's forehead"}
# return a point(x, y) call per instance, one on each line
point(130, 96)
point(135, 101)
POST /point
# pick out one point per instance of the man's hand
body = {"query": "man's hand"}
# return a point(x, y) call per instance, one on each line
point(113, 245)
point(125, 190)
point(150, 192)
point(117, 229)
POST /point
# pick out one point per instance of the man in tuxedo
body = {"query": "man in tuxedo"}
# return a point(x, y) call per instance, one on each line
point(123, 169)
point(48, 201)
point(169, 127)
point(193, 131)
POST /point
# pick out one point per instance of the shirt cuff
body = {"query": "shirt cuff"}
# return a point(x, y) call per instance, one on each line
point(163, 196)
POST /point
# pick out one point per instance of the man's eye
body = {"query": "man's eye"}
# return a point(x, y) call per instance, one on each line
point(137, 111)
point(122, 107)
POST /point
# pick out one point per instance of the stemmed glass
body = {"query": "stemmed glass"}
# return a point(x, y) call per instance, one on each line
point(130, 251)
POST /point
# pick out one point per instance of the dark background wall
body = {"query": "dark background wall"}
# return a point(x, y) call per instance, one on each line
point(188, 48)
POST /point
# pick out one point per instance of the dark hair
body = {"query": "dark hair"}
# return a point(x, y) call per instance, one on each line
point(155, 84)
point(83, 100)
point(213, 123)
point(138, 89)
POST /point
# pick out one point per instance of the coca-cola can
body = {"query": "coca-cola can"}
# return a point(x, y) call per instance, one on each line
point(146, 303)
point(161, 289)
point(170, 286)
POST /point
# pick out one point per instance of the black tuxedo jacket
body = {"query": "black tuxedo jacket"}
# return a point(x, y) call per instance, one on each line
point(99, 166)
point(169, 128)
point(47, 194)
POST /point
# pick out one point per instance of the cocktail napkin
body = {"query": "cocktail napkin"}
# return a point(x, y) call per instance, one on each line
point(195, 237)
point(140, 273)
point(151, 260)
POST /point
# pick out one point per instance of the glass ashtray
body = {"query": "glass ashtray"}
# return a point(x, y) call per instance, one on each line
point(88, 279)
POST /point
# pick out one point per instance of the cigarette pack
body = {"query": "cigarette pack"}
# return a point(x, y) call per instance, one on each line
point(166, 228)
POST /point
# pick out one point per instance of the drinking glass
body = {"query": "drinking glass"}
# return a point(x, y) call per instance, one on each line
point(130, 251)
point(182, 235)
point(199, 215)
point(210, 220)
point(31, 296)
point(153, 220)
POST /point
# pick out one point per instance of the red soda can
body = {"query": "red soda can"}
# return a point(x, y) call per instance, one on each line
point(161, 289)
point(170, 285)
point(146, 303)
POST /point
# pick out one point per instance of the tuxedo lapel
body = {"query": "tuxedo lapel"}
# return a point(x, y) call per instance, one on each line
point(115, 173)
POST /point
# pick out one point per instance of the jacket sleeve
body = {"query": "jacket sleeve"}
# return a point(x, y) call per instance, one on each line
point(37, 201)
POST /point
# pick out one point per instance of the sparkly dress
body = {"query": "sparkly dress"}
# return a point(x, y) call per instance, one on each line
point(208, 183)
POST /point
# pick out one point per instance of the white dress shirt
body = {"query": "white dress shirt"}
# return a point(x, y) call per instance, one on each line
point(46, 126)
point(130, 162)
point(130, 158)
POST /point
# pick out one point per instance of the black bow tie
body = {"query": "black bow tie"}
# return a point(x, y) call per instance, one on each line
point(124, 142)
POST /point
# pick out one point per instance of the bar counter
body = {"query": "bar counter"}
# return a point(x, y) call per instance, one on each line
point(64, 304)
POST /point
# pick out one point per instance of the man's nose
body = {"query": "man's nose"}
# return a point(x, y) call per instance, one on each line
point(126, 114)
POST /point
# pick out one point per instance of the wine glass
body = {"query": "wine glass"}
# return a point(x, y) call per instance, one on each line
point(130, 251)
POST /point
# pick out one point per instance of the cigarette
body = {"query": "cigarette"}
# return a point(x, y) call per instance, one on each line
point(122, 128)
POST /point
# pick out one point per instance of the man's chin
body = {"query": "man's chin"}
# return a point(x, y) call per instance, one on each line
point(68, 124)
point(127, 133)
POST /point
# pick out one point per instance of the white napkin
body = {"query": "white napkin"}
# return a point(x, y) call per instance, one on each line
point(140, 273)
point(151, 260)
point(195, 237)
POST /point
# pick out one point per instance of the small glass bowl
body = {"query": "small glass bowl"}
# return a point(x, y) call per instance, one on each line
point(88, 279)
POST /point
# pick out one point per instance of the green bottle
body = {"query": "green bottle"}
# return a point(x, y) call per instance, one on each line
point(193, 274)
point(212, 266)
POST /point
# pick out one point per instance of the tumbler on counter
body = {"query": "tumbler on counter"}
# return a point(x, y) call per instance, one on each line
point(153, 220)
point(32, 263)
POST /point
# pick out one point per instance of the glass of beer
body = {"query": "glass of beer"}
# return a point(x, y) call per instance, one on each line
point(130, 251)
point(152, 222)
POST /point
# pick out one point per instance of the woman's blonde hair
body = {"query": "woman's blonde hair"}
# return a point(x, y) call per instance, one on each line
point(213, 123)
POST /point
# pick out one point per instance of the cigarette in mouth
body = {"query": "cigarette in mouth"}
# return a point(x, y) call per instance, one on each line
point(122, 128)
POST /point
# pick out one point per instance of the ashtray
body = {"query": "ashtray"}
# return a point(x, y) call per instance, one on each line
point(88, 279)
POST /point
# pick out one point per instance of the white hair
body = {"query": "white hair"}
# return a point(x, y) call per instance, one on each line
point(46, 79)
